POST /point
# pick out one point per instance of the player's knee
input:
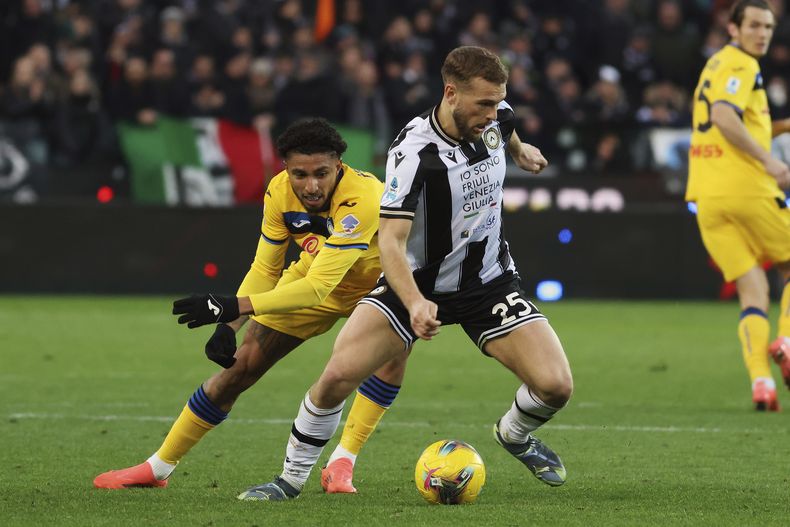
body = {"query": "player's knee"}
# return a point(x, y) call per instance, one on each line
point(555, 391)
point(334, 385)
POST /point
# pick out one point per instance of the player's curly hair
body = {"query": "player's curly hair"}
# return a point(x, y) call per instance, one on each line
point(310, 136)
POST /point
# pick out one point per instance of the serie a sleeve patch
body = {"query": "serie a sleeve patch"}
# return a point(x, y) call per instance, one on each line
point(733, 85)
point(349, 222)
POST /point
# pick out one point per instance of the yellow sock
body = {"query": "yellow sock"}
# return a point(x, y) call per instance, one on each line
point(784, 314)
point(754, 331)
point(184, 434)
point(198, 417)
point(360, 423)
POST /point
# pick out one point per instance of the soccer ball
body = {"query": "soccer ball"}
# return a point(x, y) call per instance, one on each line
point(450, 472)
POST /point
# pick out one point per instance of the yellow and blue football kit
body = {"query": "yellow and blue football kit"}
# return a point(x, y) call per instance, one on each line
point(339, 262)
point(740, 208)
point(741, 211)
point(338, 265)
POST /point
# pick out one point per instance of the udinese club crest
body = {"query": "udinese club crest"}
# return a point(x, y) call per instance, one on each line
point(492, 138)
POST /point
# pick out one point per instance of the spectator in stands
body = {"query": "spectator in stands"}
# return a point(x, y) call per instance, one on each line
point(205, 96)
point(564, 93)
point(519, 19)
point(413, 92)
point(478, 32)
point(173, 36)
point(26, 106)
point(397, 42)
point(77, 122)
point(530, 127)
point(637, 65)
point(261, 92)
point(520, 89)
point(365, 107)
point(169, 91)
point(614, 31)
point(426, 38)
point(555, 37)
point(605, 102)
point(610, 156)
point(675, 45)
point(298, 98)
point(234, 88)
point(28, 24)
point(664, 104)
point(132, 98)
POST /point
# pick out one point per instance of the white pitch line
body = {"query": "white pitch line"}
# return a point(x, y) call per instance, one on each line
point(418, 424)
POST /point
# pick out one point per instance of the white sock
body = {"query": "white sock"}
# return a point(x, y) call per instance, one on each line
point(525, 416)
point(312, 429)
point(770, 383)
point(161, 469)
point(342, 452)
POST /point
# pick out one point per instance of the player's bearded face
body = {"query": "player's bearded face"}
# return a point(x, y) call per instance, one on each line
point(466, 126)
point(313, 178)
point(476, 107)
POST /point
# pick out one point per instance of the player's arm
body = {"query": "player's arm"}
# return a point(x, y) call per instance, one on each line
point(264, 272)
point(393, 234)
point(725, 117)
point(262, 276)
point(526, 156)
point(340, 252)
point(327, 271)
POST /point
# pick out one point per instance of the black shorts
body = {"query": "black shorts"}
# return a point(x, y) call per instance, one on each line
point(487, 312)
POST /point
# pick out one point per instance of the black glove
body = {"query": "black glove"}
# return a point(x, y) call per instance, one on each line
point(222, 345)
point(199, 310)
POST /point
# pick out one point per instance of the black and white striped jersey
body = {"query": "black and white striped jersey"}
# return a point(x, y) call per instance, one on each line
point(453, 193)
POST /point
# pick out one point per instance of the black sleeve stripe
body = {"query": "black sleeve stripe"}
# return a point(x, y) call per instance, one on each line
point(429, 155)
point(507, 123)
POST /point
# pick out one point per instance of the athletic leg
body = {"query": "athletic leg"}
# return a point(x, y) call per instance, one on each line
point(534, 353)
point(373, 398)
point(207, 407)
point(366, 342)
point(754, 332)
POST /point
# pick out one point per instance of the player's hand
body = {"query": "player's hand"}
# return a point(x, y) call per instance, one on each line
point(779, 171)
point(530, 159)
point(199, 310)
point(423, 320)
point(222, 345)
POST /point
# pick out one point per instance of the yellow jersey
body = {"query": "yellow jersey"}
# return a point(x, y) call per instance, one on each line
point(339, 246)
point(716, 167)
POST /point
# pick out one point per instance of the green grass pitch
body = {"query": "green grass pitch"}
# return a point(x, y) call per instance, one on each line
point(660, 430)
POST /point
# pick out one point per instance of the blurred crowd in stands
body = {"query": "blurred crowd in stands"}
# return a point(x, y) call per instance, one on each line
point(588, 81)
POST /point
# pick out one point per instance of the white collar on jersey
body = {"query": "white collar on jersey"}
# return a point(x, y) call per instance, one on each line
point(434, 120)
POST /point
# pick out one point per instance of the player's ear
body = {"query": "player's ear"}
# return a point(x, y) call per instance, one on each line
point(732, 29)
point(450, 92)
